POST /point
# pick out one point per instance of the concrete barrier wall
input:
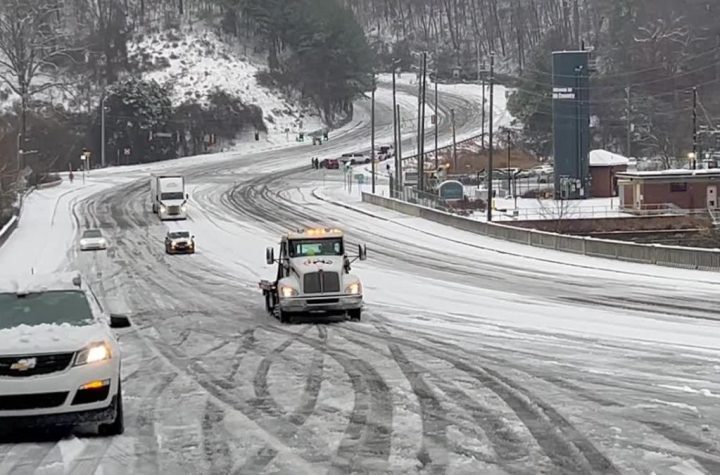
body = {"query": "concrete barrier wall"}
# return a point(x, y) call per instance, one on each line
point(671, 256)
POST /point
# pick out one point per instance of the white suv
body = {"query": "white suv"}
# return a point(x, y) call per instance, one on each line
point(59, 360)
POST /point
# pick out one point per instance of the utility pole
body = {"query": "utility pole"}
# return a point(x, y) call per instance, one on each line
point(372, 135)
point(418, 135)
point(490, 139)
point(695, 134)
point(452, 121)
point(102, 131)
point(482, 125)
point(396, 126)
point(628, 150)
point(437, 121)
point(398, 170)
point(19, 152)
point(508, 160)
point(423, 88)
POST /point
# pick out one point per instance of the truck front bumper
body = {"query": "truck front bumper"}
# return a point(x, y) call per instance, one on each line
point(321, 303)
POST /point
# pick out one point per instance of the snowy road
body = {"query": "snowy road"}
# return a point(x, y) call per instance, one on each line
point(474, 356)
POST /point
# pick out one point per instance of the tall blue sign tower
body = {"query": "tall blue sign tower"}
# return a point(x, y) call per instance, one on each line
point(571, 123)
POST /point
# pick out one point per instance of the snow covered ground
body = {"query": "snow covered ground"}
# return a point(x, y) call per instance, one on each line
point(197, 62)
point(474, 356)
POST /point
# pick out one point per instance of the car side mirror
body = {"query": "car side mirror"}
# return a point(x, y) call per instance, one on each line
point(362, 252)
point(119, 321)
point(270, 255)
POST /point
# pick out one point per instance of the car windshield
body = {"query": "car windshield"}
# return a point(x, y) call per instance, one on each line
point(316, 247)
point(56, 308)
point(179, 235)
point(92, 233)
point(177, 195)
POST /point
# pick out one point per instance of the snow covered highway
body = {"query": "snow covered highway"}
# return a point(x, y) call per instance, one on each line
point(473, 356)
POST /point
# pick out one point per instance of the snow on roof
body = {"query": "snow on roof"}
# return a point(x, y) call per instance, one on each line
point(39, 283)
point(680, 172)
point(603, 158)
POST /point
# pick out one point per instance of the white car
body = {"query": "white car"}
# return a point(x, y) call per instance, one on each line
point(59, 360)
point(93, 240)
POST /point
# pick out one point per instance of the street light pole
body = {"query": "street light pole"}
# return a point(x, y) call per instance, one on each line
point(398, 171)
point(437, 121)
point(508, 162)
point(452, 121)
point(396, 125)
point(695, 134)
point(490, 139)
point(102, 131)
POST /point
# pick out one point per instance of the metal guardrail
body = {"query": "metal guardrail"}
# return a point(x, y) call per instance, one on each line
point(656, 254)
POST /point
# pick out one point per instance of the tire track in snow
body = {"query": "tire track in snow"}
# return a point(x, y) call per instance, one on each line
point(292, 422)
point(365, 446)
point(148, 460)
point(507, 444)
point(215, 440)
point(567, 448)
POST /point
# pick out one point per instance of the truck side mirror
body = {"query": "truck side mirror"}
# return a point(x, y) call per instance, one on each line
point(270, 255)
point(187, 196)
point(362, 252)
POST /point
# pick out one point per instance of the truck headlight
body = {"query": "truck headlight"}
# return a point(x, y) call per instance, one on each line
point(355, 288)
point(163, 208)
point(93, 353)
point(288, 292)
point(183, 208)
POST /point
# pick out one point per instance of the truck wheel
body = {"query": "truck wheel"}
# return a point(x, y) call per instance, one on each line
point(269, 307)
point(284, 316)
point(355, 315)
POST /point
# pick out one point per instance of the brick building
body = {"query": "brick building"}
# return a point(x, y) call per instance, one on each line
point(658, 190)
point(604, 168)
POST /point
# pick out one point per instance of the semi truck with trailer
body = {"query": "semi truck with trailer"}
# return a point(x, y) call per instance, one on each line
point(168, 196)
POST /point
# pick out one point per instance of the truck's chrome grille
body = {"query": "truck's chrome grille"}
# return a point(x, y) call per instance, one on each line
point(173, 210)
point(321, 282)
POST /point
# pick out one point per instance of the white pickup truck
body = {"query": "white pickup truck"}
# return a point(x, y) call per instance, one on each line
point(168, 196)
point(313, 276)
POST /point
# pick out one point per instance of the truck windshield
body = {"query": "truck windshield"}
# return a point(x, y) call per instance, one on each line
point(177, 195)
point(52, 308)
point(316, 247)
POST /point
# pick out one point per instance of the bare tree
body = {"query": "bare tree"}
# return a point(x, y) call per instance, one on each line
point(557, 212)
point(31, 47)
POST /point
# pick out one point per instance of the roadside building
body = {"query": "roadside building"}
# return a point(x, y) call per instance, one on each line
point(604, 168)
point(648, 191)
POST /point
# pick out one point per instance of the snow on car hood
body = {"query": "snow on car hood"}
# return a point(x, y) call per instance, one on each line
point(47, 338)
point(304, 265)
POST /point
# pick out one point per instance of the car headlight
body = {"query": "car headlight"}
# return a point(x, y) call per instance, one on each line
point(288, 292)
point(93, 353)
point(83, 242)
point(103, 241)
point(355, 288)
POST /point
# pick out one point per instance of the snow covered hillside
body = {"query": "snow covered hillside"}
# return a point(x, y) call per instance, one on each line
point(195, 63)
